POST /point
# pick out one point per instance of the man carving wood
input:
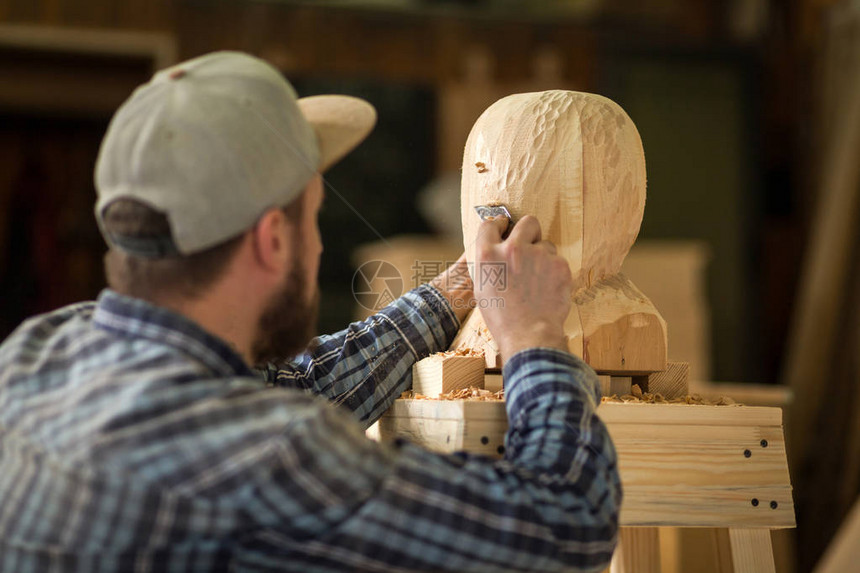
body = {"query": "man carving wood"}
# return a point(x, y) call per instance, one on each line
point(136, 436)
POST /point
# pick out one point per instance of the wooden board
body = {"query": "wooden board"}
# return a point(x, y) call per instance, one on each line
point(670, 383)
point(447, 425)
point(681, 465)
point(493, 381)
point(615, 385)
point(442, 373)
point(638, 551)
point(752, 551)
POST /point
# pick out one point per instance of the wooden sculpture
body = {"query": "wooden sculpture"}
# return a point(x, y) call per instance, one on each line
point(575, 161)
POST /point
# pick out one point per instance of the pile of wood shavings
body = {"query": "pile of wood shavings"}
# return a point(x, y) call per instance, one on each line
point(470, 393)
point(481, 395)
point(648, 398)
point(462, 352)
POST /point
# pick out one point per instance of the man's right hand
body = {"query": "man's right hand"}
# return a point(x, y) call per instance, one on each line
point(529, 306)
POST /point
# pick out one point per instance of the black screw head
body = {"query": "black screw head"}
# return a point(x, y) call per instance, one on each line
point(747, 453)
point(773, 505)
point(485, 440)
point(501, 450)
point(754, 502)
point(764, 443)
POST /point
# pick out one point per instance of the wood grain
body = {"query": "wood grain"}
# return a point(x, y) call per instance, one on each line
point(681, 465)
point(575, 161)
point(622, 332)
point(474, 335)
point(439, 374)
point(672, 382)
point(493, 382)
point(752, 551)
point(638, 551)
point(620, 385)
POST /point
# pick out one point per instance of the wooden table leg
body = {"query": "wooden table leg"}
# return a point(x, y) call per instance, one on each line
point(670, 550)
point(638, 551)
point(752, 550)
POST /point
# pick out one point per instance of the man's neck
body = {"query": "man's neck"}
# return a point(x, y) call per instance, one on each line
point(226, 317)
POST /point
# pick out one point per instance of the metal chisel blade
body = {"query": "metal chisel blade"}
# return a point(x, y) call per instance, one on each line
point(486, 212)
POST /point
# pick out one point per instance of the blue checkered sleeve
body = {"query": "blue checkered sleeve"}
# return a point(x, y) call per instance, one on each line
point(550, 505)
point(133, 440)
point(366, 366)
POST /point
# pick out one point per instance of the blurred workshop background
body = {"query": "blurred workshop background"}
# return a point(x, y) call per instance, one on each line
point(749, 111)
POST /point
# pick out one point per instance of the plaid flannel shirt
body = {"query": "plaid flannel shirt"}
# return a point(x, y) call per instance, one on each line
point(133, 440)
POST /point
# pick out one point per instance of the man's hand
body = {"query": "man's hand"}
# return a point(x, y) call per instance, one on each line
point(455, 284)
point(522, 286)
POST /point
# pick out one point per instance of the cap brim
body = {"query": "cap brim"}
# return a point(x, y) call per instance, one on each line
point(340, 122)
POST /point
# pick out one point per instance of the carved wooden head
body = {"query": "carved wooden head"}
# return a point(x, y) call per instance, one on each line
point(574, 160)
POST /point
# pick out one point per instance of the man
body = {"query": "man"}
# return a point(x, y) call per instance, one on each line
point(136, 437)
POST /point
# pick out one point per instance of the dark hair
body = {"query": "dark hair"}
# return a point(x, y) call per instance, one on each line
point(150, 277)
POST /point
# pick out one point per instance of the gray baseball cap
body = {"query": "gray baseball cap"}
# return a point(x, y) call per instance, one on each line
point(216, 141)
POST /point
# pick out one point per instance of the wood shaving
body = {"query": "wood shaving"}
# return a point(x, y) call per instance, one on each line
point(471, 393)
point(637, 396)
point(475, 352)
point(648, 398)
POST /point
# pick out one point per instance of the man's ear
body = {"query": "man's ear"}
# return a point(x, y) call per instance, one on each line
point(271, 241)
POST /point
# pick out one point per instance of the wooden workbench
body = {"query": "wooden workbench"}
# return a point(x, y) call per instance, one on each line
point(721, 467)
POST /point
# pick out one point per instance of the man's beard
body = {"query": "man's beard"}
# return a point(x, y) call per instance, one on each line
point(288, 323)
